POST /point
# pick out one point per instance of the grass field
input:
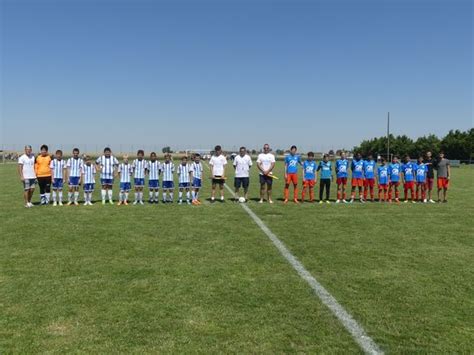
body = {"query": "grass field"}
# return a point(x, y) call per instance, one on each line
point(206, 279)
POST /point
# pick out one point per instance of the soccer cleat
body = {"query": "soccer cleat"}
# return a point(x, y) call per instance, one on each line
point(30, 204)
point(413, 201)
point(69, 203)
point(406, 201)
point(60, 203)
point(270, 201)
point(328, 202)
point(119, 203)
point(261, 201)
point(135, 202)
point(111, 202)
point(362, 200)
point(55, 203)
point(27, 205)
point(425, 200)
point(222, 198)
point(141, 203)
point(296, 201)
point(321, 202)
point(345, 201)
point(188, 202)
point(180, 202)
point(338, 201)
point(76, 203)
point(103, 202)
point(351, 201)
point(125, 203)
point(431, 201)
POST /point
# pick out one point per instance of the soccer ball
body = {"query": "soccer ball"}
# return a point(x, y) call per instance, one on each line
point(241, 199)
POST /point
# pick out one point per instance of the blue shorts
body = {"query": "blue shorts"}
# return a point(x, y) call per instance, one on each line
point(154, 184)
point(74, 181)
point(196, 183)
point(108, 182)
point(139, 182)
point(88, 187)
point(57, 184)
point(184, 184)
point(168, 184)
point(125, 186)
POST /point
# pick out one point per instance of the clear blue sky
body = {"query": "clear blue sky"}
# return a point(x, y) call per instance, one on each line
point(319, 74)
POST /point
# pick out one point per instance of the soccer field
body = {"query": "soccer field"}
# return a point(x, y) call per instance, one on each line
point(179, 278)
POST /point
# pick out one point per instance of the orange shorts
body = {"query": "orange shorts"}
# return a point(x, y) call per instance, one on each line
point(341, 181)
point(369, 182)
point(292, 178)
point(357, 182)
point(309, 183)
point(443, 183)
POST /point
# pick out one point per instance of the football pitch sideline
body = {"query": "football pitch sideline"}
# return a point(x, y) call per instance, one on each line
point(179, 278)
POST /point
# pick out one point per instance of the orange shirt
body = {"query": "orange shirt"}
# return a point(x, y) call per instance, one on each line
point(42, 167)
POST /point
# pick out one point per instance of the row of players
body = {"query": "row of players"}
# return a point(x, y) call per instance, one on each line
point(77, 171)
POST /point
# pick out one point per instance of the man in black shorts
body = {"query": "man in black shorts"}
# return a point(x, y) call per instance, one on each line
point(242, 164)
point(266, 163)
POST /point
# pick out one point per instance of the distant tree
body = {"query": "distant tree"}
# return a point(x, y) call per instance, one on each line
point(254, 152)
point(166, 150)
point(458, 145)
point(426, 143)
point(279, 152)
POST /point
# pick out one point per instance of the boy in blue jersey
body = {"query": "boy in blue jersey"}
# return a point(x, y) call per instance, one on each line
point(369, 177)
point(153, 168)
point(309, 177)
point(184, 180)
point(139, 167)
point(107, 164)
point(196, 174)
point(167, 169)
point(382, 176)
point(125, 174)
point(325, 178)
point(409, 170)
point(74, 173)
point(342, 168)
point(357, 168)
point(394, 171)
point(58, 166)
point(421, 174)
point(292, 161)
point(88, 177)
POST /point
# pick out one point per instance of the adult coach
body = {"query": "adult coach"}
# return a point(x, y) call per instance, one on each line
point(242, 164)
point(26, 170)
point(266, 163)
point(431, 164)
point(43, 174)
point(218, 162)
point(443, 170)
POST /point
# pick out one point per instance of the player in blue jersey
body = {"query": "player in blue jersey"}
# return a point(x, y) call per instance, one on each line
point(369, 177)
point(292, 161)
point(421, 178)
point(409, 171)
point(74, 172)
point(196, 174)
point(184, 180)
point(88, 178)
point(309, 177)
point(394, 171)
point(167, 169)
point(139, 171)
point(357, 167)
point(58, 165)
point(107, 164)
point(383, 179)
point(342, 169)
point(125, 171)
point(325, 178)
point(153, 168)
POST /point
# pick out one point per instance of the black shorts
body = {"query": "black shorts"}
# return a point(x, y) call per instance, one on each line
point(241, 182)
point(218, 181)
point(265, 179)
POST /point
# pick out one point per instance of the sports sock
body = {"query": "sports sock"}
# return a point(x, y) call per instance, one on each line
point(69, 196)
point(103, 193)
point(193, 194)
point(180, 195)
point(171, 196)
point(109, 194)
point(126, 196)
point(187, 195)
point(76, 196)
point(60, 193)
point(54, 196)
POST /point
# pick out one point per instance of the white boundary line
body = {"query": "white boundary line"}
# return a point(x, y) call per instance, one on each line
point(358, 333)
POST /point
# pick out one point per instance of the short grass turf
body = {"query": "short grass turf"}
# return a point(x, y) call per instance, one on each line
point(169, 278)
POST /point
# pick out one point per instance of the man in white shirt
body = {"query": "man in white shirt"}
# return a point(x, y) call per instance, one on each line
point(217, 163)
point(242, 164)
point(266, 163)
point(26, 170)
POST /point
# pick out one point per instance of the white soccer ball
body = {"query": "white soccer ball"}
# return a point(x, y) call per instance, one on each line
point(241, 199)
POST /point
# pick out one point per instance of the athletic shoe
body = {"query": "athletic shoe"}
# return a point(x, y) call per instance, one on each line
point(135, 202)
point(431, 201)
point(296, 201)
point(351, 201)
point(321, 202)
point(188, 202)
point(328, 202)
point(285, 201)
point(425, 200)
point(119, 203)
point(27, 205)
point(270, 201)
point(338, 201)
point(261, 201)
point(60, 203)
point(76, 203)
point(55, 203)
point(69, 203)
point(141, 202)
point(180, 202)
point(413, 201)
point(345, 201)
point(111, 202)
point(406, 201)
point(222, 198)
point(362, 200)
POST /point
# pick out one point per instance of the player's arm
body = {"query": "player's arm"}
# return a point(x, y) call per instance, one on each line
point(272, 165)
point(20, 171)
point(449, 171)
point(223, 169)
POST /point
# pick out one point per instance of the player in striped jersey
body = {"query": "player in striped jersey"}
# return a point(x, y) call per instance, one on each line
point(74, 172)
point(167, 169)
point(57, 166)
point(88, 178)
point(139, 170)
point(196, 174)
point(107, 164)
point(125, 172)
point(153, 168)
point(184, 179)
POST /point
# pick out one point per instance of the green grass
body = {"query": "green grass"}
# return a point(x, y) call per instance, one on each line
point(172, 278)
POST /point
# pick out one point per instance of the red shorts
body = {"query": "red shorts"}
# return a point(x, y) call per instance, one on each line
point(420, 184)
point(409, 185)
point(369, 182)
point(429, 183)
point(341, 181)
point(357, 182)
point(383, 186)
point(292, 178)
point(394, 183)
point(443, 183)
point(309, 183)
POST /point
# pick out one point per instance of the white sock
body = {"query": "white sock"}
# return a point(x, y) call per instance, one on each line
point(48, 195)
point(197, 195)
point(89, 196)
point(171, 196)
point(60, 193)
point(180, 195)
point(126, 196)
point(103, 193)
point(193, 193)
point(69, 196)
point(187, 195)
point(109, 193)
point(140, 196)
point(54, 196)
point(76, 196)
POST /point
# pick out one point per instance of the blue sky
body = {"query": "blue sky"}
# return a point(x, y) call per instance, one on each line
point(319, 74)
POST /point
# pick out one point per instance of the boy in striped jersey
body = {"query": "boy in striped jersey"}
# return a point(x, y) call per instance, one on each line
point(153, 168)
point(74, 172)
point(57, 171)
point(196, 174)
point(184, 179)
point(125, 173)
point(139, 169)
point(167, 168)
point(88, 178)
point(107, 164)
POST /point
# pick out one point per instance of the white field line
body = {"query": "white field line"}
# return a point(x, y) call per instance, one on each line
point(358, 333)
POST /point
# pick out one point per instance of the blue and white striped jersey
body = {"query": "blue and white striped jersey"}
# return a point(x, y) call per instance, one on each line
point(154, 168)
point(107, 166)
point(125, 170)
point(139, 167)
point(74, 166)
point(168, 169)
point(183, 173)
point(89, 171)
point(57, 168)
point(196, 168)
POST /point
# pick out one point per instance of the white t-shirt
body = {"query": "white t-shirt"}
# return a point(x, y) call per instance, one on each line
point(218, 164)
point(28, 163)
point(265, 161)
point(242, 166)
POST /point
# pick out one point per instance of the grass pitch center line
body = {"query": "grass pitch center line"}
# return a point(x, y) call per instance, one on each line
point(358, 333)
